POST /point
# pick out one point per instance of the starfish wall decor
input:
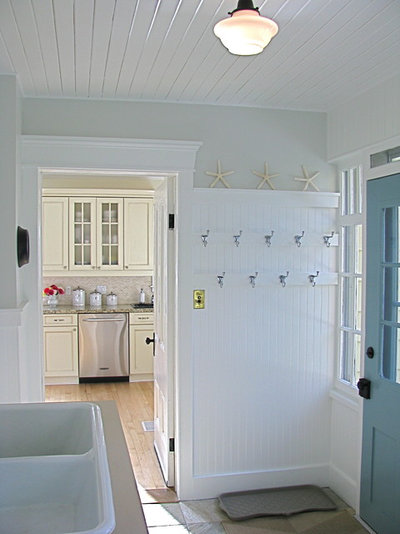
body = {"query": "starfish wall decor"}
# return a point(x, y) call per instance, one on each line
point(307, 179)
point(219, 176)
point(266, 178)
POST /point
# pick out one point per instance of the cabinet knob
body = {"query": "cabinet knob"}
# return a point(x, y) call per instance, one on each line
point(65, 266)
point(126, 267)
point(93, 266)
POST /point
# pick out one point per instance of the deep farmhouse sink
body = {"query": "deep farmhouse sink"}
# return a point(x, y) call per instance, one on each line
point(53, 470)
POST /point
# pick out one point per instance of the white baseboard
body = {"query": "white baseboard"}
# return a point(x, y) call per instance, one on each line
point(205, 487)
point(343, 486)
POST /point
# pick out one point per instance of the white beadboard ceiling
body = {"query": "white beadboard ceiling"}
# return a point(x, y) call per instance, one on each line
point(326, 51)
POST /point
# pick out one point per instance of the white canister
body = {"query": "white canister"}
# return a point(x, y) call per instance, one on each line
point(78, 297)
point(95, 299)
point(112, 299)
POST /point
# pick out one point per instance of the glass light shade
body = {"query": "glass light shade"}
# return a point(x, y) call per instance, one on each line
point(246, 32)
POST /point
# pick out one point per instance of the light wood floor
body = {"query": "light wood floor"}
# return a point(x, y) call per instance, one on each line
point(135, 404)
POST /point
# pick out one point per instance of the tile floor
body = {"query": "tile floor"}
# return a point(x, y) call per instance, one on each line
point(205, 517)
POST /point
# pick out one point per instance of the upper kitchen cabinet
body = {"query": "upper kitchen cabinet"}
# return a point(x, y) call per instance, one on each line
point(55, 234)
point(96, 230)
point(138, 236)
point(91, 232)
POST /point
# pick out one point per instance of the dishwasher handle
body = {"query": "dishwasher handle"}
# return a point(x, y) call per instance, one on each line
point(95, 320)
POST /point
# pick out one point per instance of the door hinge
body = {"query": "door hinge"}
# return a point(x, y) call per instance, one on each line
point(171, 444)
point(171, 221)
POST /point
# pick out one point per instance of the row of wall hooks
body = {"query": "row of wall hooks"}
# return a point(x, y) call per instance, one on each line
point(268, 238)
point(282, 279)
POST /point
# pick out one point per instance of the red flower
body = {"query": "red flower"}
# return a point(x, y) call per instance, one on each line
point(53, 290)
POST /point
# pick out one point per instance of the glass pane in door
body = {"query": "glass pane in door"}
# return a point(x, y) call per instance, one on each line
point(390, 321)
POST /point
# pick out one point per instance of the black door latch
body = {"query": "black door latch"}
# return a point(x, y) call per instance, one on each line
point(364, 388)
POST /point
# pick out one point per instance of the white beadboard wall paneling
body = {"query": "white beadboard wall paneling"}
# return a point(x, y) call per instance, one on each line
point(262, 357)
point(361, 122)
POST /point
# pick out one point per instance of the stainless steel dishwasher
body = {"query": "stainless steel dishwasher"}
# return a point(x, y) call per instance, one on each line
point(103, 346)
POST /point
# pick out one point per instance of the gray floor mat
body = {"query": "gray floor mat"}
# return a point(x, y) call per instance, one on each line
point(275, 501)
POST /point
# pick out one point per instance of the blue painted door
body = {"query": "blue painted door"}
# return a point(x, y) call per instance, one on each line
point(380, 473)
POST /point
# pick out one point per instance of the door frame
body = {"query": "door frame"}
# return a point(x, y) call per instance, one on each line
point(107, 156)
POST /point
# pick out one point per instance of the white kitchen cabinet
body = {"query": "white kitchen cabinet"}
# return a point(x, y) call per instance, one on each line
point(96, 229)
point(138, 234)
point(60, 342)
point(55, 234)
point(140, 354)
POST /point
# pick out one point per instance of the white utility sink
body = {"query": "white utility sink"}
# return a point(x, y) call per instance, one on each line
point(54, 470)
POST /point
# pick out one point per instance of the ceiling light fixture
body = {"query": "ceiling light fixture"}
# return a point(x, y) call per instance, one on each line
point(246, 32)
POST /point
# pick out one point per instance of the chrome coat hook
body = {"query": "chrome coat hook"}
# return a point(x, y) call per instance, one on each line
point(204, 238)
point(298, 238)
point(220, 279)
point(282, 278)
point(312, 278)
point(327, 239)
point(236, 238)
point(268, 238)
point(252, 279)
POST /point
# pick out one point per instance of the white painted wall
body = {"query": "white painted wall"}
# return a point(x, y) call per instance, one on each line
point(12, 313)
point(9, 134)
point(242, 138)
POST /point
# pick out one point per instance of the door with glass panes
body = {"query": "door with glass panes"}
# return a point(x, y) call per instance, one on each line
point(380, 386)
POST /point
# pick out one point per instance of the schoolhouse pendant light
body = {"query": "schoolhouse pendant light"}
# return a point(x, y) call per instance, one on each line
point(246, 32)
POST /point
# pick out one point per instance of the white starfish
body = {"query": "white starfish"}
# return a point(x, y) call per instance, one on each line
point(219, 175)
point(266, 178)
point(307, 179)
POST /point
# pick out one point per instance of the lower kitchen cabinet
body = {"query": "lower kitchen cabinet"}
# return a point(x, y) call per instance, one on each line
point(60, 343)
point(140, 354)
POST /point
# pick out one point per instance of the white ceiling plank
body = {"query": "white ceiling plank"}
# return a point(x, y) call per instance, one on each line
point(64, 23)
point(376, 58)
point(44, 20)
point(291, 55)
point(351, 62)
point(185, 10)
point(6, 64)
point(28, 32)
point(351, 42)
point(291, 18)
point(103, 20)
point(165, 50)
point(165, 16)
point(205, 77)
point(83, 39)
point(16, 52)
point(125, 11)
point(134, 47)
point(191, 38)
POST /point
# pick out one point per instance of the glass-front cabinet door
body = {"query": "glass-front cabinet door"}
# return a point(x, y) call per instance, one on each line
point(110, 233)
point(82, 234)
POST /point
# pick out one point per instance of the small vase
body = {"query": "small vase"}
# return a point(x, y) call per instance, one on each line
point(52, 300)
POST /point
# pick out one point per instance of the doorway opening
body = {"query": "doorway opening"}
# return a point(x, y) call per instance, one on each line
point(134, 399)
